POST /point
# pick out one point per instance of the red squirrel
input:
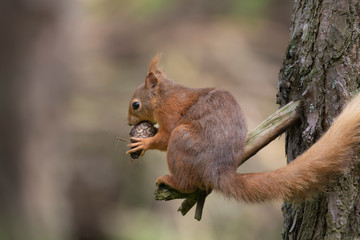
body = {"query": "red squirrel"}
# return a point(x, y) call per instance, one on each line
point(204, 131)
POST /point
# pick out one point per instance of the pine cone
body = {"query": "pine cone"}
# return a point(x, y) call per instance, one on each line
point(141, 130)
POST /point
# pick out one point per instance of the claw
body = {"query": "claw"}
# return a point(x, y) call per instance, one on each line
point(134, 144)
point(133, 150)
point(136, 139)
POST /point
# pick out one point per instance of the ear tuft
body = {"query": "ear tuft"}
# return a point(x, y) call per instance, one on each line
point(153, 67)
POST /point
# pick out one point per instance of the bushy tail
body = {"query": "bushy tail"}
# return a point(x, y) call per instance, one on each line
point(311, 171)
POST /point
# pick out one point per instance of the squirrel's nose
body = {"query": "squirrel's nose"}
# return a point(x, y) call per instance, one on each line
point(132, 120)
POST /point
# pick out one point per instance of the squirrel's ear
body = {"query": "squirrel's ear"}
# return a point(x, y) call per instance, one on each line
point(151, 81)
point(153, 73)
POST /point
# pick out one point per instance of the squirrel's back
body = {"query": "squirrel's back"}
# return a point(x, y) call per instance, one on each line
point(209, 140)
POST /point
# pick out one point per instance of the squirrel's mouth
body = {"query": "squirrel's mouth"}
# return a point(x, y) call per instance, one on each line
point(132, 121)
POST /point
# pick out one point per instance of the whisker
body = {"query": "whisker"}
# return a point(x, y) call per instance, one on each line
point(122, 139)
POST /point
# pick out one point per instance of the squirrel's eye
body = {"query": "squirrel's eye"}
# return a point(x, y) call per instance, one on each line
point(135, 105)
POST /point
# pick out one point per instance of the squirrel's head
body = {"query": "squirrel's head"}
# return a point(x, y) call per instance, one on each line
point(141, 105)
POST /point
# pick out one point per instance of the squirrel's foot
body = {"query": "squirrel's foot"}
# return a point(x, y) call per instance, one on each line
point(169, 180)
point(165, 180)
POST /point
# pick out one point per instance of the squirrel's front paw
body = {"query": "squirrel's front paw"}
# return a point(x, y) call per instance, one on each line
point(140, 144)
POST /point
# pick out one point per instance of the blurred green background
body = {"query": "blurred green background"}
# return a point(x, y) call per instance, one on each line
point(233, 44)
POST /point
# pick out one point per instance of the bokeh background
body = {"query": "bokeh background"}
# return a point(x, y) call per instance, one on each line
point(237, 45)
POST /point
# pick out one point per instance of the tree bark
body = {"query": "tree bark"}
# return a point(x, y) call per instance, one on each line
point(322, 69)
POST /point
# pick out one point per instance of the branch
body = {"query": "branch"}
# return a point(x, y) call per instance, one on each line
point(271, 128)
point(262, 135)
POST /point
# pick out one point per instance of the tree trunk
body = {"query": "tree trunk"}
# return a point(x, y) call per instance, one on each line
point(322, 69)
point(34, 70)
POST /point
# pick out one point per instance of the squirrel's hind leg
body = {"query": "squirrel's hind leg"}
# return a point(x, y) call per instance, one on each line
point(171, 181)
